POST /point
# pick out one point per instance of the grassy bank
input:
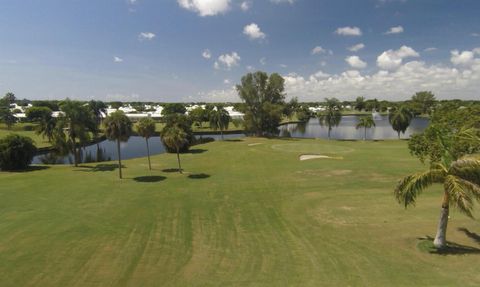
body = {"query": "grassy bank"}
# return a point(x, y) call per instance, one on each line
point(245, 213)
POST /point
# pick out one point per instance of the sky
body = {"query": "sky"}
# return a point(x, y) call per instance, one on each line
point(198, 50)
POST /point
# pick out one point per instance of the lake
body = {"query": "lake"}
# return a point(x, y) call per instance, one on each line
point(347, 131)
point(107, 150)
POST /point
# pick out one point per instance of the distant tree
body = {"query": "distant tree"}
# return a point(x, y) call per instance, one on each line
point(422, 102)
point(372, 105)
point(7, 117)
point(400, 119)
point(219, 119)
point(365, 123)
point(37, 114)
point(73, 127)
point(116, 105)
point(304, 114)
point(184, 123)
point(9, 99)
point(291, 108)
point(174, 108)
point(52, 105)
point(332, 115)
point(175, 138)
point(198, 115)
point(118, 127)
point(264, 101)
point(460, 177)
point(146, 129)
point(98, 110)
point(360, 104)
point(16, 152)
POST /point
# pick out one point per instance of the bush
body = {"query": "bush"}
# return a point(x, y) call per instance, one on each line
point(16, 152)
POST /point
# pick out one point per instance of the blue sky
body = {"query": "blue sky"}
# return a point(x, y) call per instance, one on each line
point(151, 50)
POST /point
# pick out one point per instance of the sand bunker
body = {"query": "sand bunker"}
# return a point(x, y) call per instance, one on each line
point(316, 156)
point(254, 144)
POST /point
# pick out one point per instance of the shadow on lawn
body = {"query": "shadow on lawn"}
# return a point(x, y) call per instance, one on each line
point(470, 234)
point(233, 140)
point(153, 178)
point(100, 167)
point(196, 150)
point(170, 170)
point(31, 168)
point(199, 176)
point(452, 248)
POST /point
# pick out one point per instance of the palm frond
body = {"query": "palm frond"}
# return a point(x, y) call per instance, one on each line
point(460, 194)
point(467, 168)
point(411, 186)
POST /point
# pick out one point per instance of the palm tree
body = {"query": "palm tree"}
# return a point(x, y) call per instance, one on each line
point(332, 114)
point(400, 119)
point(219, 119)
point(118, 127)
point(146, 129)
point(174, 137)
point(366, 123)
point(72, 128)
point(46, 127)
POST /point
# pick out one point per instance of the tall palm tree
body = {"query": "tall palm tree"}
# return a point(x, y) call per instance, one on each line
point(219, 119)
point(72, 128)
point(118, 127)
point(332, 115)
point(46, 127)
point(461, 183)
point(174, 137)
point(146, 129)
point(400, 119)
point(366, 123)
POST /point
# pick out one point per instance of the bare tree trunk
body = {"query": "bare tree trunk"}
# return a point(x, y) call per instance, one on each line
point(119, 159)
point(365, 135)
point(221, 133)
point(178, 159)
point(148, 155)
point(441, 237)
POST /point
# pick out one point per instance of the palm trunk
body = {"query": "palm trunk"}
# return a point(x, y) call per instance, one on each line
point(178, 159)
point(329, 130)
point(441, 237)
point(75, 152)
point(148, 155)
point(221, 133)
point(398, 135)
point(365, 135)
point(119, 160)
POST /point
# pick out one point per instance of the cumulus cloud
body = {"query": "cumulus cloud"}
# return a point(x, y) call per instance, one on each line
point(206, 54)
point(430, 49)
point(117, 59)
point(227, 61)
point(395, 30)
point(263, 61)
point(349, 31)
point(320, 50)
point(464, 58)
point(356, 62)
point(356, 48)
point(253, 32)
point(445, 82)
point(245, 5)
point(146, 36)
point(392, 59)
point(283, 1)
point(205, 7)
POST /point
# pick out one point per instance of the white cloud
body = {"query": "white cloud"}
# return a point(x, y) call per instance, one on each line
point(226, 81)
point(356, 48)
point(400, 84)
point(283, 66)
point(349, 31)
point(283, 1)
point(250, 68)
point(253, 31)
point(430, 49)
point(320, 50)
point(392, 59)
point(117, 59)
point(227, 61)
point(206, 54)
point(464, 58)
point(245, 5)
point(206, 7)
point(475, 34)
point(146, 36)
point(395, 30)
point(356, 62)
point(263, 61)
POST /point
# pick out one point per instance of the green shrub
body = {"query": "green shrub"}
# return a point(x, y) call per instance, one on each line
point(16, 152)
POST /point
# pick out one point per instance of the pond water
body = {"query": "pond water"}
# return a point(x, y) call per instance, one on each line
point(347, 129)
point(107, 150)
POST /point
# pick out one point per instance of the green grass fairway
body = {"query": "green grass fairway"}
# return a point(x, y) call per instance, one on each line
point(20, 128)
point(245, 213)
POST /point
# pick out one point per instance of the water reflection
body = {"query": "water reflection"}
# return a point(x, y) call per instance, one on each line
point(347, 129)
point(107, 150)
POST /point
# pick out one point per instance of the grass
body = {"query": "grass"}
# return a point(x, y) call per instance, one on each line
point(241, 215)
point(25, 129)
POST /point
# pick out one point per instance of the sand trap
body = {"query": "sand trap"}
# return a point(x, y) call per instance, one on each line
point(316, 156)
point(254, 144)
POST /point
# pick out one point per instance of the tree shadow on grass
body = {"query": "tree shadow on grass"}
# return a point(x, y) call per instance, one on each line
point(199, 176)
point(153, 178)
point(170, 170)
point(31, 168)
point(233, 140)
point(100, 167)
point(196, 150)
point(452, 248)
point(470, 234)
